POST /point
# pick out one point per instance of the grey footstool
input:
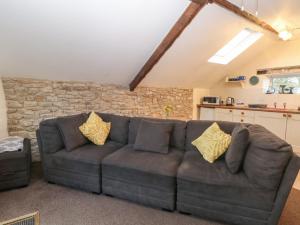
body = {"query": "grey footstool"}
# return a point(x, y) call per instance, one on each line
point(15, 167)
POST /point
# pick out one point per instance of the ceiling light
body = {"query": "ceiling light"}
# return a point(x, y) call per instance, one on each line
point(285, 35)
point(256, 10)
point(243, 6)
point(236, 46)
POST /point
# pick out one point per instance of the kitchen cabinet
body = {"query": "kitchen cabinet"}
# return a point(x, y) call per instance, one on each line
point(273, 121)
point(207, 114)
point(243, 116)
point(292, 131)
point(284, 125)
point(245, 119)
point(223, 114)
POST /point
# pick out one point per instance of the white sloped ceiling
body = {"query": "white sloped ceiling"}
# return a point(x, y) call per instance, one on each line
point(185, 64)
point(109, 41)
point(96, 40)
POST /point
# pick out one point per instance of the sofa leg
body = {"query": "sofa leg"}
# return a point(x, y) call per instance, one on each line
point(50, 182)
point(96, 193)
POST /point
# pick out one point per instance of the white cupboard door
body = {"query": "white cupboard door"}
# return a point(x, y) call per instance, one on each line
point(292, 131)
point(236, 119)
point(243, 119)
point(243, 113)
point(275, 122)
point(224, 115)
point(243, 116)
point(207, 113)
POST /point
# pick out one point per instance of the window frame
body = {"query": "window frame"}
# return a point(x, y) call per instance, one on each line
point(271, 86)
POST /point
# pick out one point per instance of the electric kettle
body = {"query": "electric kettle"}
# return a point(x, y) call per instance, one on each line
point(230, 101)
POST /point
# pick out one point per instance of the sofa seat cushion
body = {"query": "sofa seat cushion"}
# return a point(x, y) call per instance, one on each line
point(154, 170)
point(203, 180)
point(82, 160)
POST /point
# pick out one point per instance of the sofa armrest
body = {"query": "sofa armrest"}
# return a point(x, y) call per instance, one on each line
point(285, 187)
point(49, 137)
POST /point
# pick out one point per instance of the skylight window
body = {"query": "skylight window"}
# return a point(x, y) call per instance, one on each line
point(236, 46)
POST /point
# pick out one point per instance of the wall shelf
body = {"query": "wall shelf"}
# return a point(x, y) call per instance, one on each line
point(239, 82)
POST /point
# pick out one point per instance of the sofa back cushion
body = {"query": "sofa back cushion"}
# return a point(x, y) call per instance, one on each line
point(51, 140)
point(177, 138)
point(153, 136)
point(119, 127)
point(238, 147)
point(266, 158)
point(195, 128)
point(69, 130)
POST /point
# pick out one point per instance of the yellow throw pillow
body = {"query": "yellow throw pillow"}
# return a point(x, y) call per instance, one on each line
point(95, 129)
point(212, 143)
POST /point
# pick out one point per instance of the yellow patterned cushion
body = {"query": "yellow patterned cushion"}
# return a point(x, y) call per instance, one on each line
point(95, 129)
point(212, 143)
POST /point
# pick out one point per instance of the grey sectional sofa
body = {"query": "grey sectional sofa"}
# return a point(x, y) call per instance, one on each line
point(145, 177)
point(256, 195)
point(80, 168)
point(180, 179)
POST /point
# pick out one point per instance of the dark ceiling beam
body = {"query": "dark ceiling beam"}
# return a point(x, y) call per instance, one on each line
point(242, 13)
point(185, 19)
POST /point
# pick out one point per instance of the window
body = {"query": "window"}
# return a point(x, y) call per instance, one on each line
point(236, 46)
point(283, 84)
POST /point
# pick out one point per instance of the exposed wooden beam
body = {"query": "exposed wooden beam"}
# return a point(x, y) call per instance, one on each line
point(202, 1)
point(238, 11)
point(185, 19)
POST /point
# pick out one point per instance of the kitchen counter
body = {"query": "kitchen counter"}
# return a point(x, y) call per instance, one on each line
point(282, 122)
point(276, 110)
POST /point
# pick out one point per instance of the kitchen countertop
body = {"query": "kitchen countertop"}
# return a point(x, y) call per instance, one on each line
point(277, 110)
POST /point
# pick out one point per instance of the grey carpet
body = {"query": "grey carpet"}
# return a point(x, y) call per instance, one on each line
point(65, 206)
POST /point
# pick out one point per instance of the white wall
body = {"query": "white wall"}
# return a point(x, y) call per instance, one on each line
point(281, 54)
point(198, 93)
point(3, 115)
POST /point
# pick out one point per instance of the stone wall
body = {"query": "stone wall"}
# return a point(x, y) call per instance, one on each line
point(30, 101)
point(3, 116)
